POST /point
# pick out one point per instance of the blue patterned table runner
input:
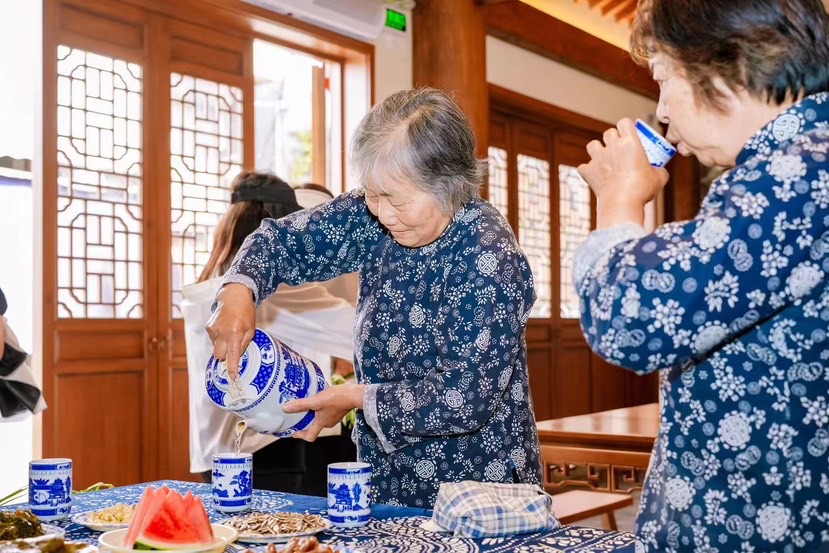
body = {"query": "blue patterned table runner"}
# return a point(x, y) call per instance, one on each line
point(391, 529)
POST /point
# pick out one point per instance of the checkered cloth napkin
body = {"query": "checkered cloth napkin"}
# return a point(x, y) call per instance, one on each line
point(484, 509)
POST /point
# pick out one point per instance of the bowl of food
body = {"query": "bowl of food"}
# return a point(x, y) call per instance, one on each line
point(110, 518)
point(26, 526)
point(22, 531)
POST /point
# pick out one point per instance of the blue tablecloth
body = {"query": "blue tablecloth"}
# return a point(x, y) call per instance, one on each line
point(392, 529)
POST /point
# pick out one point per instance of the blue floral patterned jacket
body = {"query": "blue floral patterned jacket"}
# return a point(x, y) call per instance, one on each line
point(439, 339)
point(733, 307)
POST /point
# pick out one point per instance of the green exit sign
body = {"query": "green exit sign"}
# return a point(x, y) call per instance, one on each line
point(395, 20)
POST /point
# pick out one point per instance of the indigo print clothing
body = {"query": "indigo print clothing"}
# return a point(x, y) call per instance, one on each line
point(733, 306)
point(439, 338)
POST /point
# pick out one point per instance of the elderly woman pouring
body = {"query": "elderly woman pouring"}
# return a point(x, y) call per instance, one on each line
point(445, 294)
point(732, 305)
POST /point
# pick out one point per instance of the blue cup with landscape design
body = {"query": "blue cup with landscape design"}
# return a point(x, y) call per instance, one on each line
point(232, 482)
point(50, 488)
point(349, 494)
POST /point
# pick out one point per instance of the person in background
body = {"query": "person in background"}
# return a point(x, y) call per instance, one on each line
point(732, 305)
point(307, 318)
point(445, 294)
point(20, 394)
point(344, 286)
point(3, 307)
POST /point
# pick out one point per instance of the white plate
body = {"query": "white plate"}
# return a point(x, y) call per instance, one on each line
point(83, 520)
point(278, 538)
point(114, 539)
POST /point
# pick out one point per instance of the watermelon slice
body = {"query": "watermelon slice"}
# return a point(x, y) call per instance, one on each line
point(166, 520)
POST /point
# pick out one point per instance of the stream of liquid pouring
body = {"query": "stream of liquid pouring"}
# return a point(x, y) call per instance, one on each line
point(240, 429)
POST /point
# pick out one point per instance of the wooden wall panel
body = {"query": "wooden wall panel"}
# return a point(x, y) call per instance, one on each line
point(572, 384)
point(73, 344)
point(98, 423)
point(129, 34)
point(178, 463)
point(610, 385)
point(539, 362)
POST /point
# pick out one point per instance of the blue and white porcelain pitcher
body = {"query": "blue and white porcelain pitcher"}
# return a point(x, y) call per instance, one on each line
point(270, 374)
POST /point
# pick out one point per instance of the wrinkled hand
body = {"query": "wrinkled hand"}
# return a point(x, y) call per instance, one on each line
point(620, 175)
point(330, 406)
point(232, 325)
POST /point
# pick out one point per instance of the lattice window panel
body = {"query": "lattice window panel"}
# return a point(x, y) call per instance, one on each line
point(206, 146)
point(498, 179)
point(100, 187)
point(534, 227)
point(574, 199)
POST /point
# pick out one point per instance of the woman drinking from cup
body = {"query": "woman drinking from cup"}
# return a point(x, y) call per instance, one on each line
point(732, 305)
point(445, 294)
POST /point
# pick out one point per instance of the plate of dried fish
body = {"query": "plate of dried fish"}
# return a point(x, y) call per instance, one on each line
point(276, 527)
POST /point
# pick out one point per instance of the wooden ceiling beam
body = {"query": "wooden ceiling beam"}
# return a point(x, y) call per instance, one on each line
point(611, 5)
point(524, 26)
point(626, 14)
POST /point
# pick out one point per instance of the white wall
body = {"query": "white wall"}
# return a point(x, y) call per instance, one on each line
point(20, 231)
point(562, 86)
point(393, 61)
point(16, 281)
point(519, 70)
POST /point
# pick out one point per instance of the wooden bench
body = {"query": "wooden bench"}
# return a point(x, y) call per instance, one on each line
point(577, 505)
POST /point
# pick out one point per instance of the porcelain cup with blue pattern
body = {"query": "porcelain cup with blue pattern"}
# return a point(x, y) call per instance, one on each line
point(232, 482)
point(658, 150)
point(349, 494)
point(270, 375)
point(50, 488)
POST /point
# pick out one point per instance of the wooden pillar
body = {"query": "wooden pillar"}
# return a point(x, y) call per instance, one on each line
point(449, 53)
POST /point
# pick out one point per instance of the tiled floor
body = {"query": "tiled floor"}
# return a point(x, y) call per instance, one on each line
point(625, 518)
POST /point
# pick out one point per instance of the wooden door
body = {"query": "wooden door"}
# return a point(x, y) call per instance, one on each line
point(578, 370)
point(146, 122)
point(99, 373)
point(535, 184)
point(209, 106)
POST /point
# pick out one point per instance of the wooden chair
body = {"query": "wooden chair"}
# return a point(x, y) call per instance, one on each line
point(577, 505)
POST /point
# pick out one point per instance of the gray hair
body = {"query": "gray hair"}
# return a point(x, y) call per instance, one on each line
point(423, 137)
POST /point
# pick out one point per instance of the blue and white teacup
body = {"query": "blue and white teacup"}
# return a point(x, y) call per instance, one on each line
point(349, 494)
point(50, 488)
point(232, 482)
point(658, 150)
point(270, 375)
